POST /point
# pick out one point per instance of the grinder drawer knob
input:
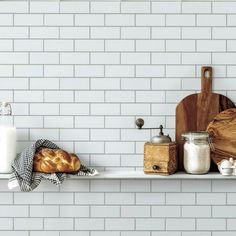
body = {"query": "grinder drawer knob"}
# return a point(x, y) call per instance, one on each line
point(155, 167)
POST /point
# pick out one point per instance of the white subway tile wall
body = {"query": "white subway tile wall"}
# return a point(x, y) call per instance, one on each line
point(79, 73)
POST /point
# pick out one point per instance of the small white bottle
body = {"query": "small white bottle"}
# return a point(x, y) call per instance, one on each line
point(7, 138)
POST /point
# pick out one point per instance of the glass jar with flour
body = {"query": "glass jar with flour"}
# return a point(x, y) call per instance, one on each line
point(196, 152)
point(7, 138)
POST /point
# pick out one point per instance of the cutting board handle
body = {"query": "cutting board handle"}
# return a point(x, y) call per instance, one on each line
point(206, 79)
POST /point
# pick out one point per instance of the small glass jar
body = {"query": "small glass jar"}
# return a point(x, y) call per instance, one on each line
point(197, 158)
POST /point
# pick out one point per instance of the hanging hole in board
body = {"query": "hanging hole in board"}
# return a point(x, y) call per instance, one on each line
point(207, 74)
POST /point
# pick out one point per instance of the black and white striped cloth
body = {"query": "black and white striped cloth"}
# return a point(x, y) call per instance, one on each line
point(22, 169)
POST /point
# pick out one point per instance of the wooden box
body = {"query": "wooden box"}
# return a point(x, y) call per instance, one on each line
point(160, 158)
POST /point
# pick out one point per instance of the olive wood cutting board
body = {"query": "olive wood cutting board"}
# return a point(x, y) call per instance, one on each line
point(223, 132)
point(196, 111)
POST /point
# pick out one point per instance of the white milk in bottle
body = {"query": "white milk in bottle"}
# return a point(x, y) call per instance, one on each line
point(7, 138)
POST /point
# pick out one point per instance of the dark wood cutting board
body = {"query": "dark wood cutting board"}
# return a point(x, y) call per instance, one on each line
point(196, 111)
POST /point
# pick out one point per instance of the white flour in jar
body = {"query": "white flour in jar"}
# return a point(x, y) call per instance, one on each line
point(196, 158)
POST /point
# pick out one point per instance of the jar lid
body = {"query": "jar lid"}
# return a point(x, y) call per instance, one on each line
point(195, 135)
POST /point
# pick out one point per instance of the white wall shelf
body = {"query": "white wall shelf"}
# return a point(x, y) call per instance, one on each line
point(141, 175)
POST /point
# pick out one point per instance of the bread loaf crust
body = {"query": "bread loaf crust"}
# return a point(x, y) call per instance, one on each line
point(48, 160)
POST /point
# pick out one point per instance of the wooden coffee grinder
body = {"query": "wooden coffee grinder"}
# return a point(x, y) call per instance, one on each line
point(160, 154)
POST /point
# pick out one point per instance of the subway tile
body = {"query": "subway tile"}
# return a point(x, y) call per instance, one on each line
point(180, 198)
point(196, 186)
point(89, 71)
point(105, 185)
point(105, 134)
point(119, 71)
point(150, 224)
point(166, 33)
point(105, 58)
point(75, 186)
point(6, 224)
point(45, 233)
point(74, 134)
point(13, 7)
point(211, 20)
point(150, 199)
point(196, 211)
point(23, 45)
point(119, 224)
point(135, 33)
point(44, 109)
point(89, 122)
point(101, 160)
point(89, 96)
point(166, 185)
point(44, 211)
point(105, 211)
point(180, 20)
point(6, 45)
point(89, 20)
point(197, 33)
point(58, 223)
point(74, 7)
point(44, 7)
point(135, 58)
point(119, 20)
point(119, 45)
point(196, 7)
point(58, 122)
point(28, 70)
point(135, 211)
point(223, 211)
point(150, 20)
point(89, 224)
point(51, 134)
point(166, 211)
point(135, 186)
point(74, 32)
point(180, 224)
point(44, 58)
point(105, 7)
point(58, 20)
point(105, 32)
point(6, 19)
point(55, 198)
point(89, 45)
point(135, 7)
point(74, 211)
point(119, 198)
point(211, 224)
point(166, 7)
point(44, 83)
point(44, 32)
point(28, 19)
point(222, 186)
point(13, 83)
point(74, 83)
point(28, 223)
point(90, 198)
point(14, 32)
point(28, 198)
point(220, 7)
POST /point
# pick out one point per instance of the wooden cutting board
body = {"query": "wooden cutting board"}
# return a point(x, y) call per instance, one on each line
point(223, 132)
point(196, 111)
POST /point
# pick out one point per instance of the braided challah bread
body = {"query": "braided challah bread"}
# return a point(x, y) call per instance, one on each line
point(48, 160)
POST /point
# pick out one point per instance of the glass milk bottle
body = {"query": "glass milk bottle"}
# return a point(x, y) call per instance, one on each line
point(7, 138)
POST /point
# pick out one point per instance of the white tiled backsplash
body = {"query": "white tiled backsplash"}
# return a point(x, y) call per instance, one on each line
point(79, 73)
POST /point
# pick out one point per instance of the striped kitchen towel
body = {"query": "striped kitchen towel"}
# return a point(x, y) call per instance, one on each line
point(22, 169)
